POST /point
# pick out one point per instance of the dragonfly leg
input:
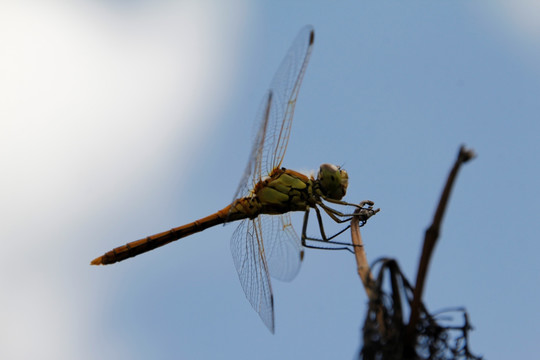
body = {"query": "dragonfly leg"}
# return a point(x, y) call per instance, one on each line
point(364, 210)
point(325, 239)
point(321, 226)
point(363, 203)
point(304, 227)
point(329, 248)
point(335, 215)
point(339, 217)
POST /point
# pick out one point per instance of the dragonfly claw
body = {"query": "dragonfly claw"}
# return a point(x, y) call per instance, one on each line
point(365, 210)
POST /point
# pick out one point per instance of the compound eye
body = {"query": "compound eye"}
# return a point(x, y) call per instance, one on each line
point(333, 181)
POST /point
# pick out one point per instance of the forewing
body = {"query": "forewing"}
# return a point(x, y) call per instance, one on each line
point(276, 113)
point(282, 246)
point(284, 87)
point(284, 249)
point(250, 262)
point(252, 173)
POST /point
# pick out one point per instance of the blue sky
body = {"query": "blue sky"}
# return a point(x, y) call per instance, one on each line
point(121, 119)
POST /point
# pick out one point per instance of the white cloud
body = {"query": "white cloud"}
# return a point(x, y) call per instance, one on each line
point(85, 88)
point(524, 16)
point(518, 22)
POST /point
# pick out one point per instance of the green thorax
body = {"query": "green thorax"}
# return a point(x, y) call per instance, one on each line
point(283, 191)
point(287, 190)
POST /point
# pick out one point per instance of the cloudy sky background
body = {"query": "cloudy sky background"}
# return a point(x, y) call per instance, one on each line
point(120, 119)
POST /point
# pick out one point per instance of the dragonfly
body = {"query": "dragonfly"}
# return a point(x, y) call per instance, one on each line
point(265, 242)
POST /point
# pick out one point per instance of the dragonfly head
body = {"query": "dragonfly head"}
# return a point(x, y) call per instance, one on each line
point(333, 181)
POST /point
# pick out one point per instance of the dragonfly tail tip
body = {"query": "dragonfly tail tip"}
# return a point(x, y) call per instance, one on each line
point(97, 261)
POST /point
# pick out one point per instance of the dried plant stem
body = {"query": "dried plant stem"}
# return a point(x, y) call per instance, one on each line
point(430, 239)
point(361, 260)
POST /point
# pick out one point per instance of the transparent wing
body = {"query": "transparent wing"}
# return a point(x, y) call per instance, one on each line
point(282, 246)
point(276, 113)
point(250, 262)
point(285, 87)
point(252, 173)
